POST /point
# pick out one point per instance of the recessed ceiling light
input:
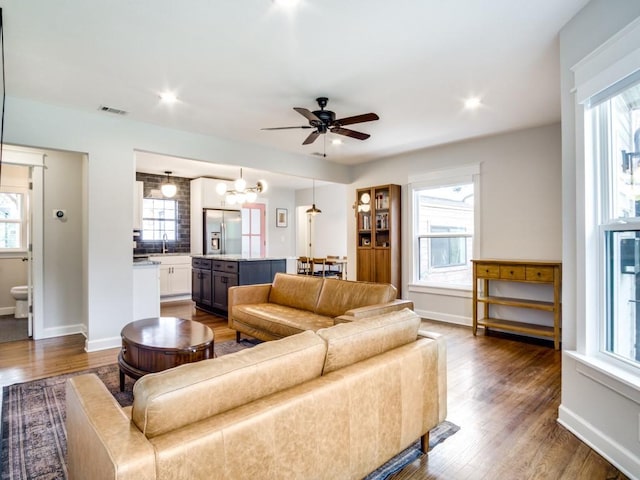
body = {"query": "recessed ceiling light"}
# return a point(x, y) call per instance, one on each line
point(472, 103)
point(286, 3)
point(336, 141)
point(168, 97)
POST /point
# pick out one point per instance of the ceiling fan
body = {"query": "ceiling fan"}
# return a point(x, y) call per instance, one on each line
point(324, 121)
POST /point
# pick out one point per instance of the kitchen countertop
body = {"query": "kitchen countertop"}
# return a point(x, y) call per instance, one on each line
point(237, 258)
point(144, 262)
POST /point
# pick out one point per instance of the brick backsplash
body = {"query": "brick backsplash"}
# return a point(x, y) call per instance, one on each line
point(183, 197)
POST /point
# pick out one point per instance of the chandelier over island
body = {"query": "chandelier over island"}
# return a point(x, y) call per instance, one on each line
point(240, 193)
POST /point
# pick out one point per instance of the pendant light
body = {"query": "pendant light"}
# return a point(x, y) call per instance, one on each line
point(313, 211)
point(241, 193)
point(168, 189)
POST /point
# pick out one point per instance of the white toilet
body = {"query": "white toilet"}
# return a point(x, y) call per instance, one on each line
point(20, 294)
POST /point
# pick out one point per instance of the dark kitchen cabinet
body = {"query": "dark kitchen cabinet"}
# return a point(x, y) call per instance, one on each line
point(224, 274)
point(201, 286)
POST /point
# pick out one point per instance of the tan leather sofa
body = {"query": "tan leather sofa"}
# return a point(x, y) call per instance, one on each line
point(336, 403)
point(295, 303)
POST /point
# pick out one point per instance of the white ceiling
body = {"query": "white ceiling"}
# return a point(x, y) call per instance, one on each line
point(238, 66)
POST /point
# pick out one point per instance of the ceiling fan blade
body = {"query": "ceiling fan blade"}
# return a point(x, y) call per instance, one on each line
point(311, 138)
point(365, 117)
point(350, 133)
point(286, 128)
point(307, 114)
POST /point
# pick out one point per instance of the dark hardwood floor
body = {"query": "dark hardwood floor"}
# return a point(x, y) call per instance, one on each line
point(504, 394)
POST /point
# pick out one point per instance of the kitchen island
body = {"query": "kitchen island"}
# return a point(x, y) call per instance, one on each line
point(212, 275)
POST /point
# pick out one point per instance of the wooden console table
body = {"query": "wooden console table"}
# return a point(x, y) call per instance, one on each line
point(517, 271)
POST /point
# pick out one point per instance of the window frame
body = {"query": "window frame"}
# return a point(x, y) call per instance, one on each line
point(23, 221)
point(602, 74)
point(463, 174)
point(171, 239)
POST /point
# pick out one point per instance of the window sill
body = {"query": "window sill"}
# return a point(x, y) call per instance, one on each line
point(447, 290)
point(607, 374)
point(13, 253)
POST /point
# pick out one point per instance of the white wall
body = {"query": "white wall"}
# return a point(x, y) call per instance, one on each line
point(109, 143)
point(520, 198)
point(606, 418)
point(329, 231)
point(63, 246)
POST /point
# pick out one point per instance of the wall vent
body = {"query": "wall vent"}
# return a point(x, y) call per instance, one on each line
point(116, 111)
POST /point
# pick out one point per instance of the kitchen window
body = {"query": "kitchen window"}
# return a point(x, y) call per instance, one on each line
point(12, 221)
point(159, 219)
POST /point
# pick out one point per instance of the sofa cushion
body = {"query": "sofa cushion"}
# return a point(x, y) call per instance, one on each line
point(186, 394)
point(279, 320)
point(297, 291)
point(338, 296)
point(349, 343)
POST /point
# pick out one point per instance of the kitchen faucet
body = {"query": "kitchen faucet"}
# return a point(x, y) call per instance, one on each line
point(164, 243)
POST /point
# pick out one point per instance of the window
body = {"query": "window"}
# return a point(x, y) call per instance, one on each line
point(12, 221)
point(159, 219)
point(613, 136)
point(444, 226)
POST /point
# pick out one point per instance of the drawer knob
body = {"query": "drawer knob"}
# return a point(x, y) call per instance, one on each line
point(511, 272)
point(538, 274)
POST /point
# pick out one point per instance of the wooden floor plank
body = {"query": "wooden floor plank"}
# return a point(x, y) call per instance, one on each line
point(504, 395)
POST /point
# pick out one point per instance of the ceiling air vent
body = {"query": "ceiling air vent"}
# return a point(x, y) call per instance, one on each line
point(116, 111)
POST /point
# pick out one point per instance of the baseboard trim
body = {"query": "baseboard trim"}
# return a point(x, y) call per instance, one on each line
point(7, 310)
point(103, 344)
point(62, 331)
point(616, 454)
point(445, 317)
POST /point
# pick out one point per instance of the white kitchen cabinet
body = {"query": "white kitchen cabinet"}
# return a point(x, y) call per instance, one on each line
point(146, 297)
point(175, 275)
point(138, 193)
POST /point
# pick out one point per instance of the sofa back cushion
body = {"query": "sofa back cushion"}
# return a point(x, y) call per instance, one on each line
point(352, 342)
point(296, 291)
point(338, 296)
point(186, 394)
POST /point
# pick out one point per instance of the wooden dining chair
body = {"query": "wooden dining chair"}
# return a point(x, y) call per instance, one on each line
point(334, 266)
point(323, 264)
point(304, 266)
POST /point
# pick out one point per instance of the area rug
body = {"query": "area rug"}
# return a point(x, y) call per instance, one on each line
point(33, 424)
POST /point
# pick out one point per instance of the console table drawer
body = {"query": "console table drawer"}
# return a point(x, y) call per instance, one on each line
point(487, 270)
point(539, 274)
point(512, 272)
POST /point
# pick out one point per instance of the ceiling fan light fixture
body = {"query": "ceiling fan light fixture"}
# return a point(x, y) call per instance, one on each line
point(168, 189)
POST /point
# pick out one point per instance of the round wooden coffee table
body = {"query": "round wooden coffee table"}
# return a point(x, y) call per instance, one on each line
point(158, 343)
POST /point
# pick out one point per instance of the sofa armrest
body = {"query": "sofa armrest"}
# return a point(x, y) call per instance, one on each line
point(442, 371)
point(102, 442)
point(373, 310)
point(246, 294)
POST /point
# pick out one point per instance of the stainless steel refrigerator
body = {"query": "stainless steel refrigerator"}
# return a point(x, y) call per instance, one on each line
point(222, 232)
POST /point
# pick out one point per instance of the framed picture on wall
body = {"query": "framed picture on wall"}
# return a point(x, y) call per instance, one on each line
point(281, 217)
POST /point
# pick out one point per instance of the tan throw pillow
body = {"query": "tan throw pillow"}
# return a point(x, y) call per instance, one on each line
point(352, 342)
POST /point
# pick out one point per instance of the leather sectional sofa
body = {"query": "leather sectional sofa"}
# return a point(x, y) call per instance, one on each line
point(295, 303)
point(336, 403)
